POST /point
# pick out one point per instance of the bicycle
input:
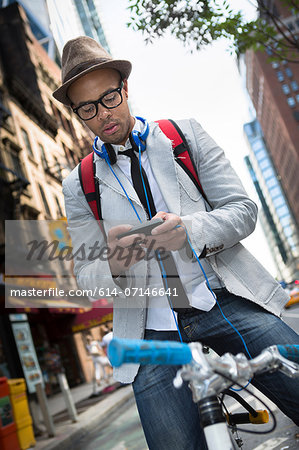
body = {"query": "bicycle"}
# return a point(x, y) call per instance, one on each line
point(209, 377)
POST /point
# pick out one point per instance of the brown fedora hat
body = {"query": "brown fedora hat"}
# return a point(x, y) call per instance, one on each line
point(81, 56)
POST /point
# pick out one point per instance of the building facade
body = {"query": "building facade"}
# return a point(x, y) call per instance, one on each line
point(41, 141)
point(275, 214)
point(72, 18)
point(38, 18)
point(54, 22)
point(274, 91)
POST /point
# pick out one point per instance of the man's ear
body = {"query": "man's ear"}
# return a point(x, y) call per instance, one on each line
point(125, 88)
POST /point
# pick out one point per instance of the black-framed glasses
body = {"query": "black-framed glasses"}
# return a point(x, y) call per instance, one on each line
point(110, 100)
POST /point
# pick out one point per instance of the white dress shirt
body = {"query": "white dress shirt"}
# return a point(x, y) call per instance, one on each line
point(159, 314)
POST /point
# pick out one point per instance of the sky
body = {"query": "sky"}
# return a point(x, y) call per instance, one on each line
point(167, 81)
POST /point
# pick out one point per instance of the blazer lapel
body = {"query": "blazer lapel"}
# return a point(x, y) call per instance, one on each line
point(160, 154)
point(163, 164)
point(106, 177)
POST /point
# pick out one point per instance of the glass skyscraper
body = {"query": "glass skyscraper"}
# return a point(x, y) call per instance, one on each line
point(72, 18)
point(54, 22)
point(278, 223)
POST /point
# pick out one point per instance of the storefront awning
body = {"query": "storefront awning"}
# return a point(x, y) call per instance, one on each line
point(101, 312)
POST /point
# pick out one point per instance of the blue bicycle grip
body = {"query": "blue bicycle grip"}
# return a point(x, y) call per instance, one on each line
point(290, 352)
point(121, 351)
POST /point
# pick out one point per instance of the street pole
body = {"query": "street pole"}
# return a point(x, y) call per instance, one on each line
point(68, 397)
point(43, 403)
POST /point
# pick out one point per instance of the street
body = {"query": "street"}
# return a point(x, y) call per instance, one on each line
point(291, 317)
point(122, 430)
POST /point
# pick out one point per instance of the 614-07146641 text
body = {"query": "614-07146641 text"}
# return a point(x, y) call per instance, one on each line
point(139, 292)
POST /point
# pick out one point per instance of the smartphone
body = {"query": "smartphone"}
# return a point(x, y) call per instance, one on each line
point(142, 228)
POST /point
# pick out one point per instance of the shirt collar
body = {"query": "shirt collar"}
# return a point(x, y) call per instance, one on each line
point(120, 148)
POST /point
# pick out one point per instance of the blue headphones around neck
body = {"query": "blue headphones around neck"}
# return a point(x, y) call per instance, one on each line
point(138, 138)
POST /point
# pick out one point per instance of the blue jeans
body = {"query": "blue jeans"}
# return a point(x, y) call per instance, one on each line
point(169, 417)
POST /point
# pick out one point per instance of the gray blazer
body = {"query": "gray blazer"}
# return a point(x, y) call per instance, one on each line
point(232, 219)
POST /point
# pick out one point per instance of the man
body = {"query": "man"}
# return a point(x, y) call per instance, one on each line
point(107, 336)
point(99, 360)
point(95, 86)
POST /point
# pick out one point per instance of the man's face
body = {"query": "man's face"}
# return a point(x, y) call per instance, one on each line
point(113, 126)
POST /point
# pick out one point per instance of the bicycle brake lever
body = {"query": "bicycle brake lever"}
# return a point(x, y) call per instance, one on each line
point(290, 368)
point(178, 380)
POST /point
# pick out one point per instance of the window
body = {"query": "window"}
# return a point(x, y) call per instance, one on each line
point(292, 242)
point(296, 115)
point(72, 154)
point(275, 191)
point(57, 168)
point(60, 117)
point(272, 182)
point(280, 75)
point(278, 201)
point(268, 173)
point(275, 64)
point(291, 102)
point(43, 157)
point(290, 26)
point(286, 89)
point(55, 111)
point(285, 221)
point(59, 210)
point(257, 145)
point(72, 129)
point(294, 85)
point(16, 164)
point(288, 231)
point(264, 164)
point(261, 154)
point(27, 142)
point(282, 210)
point(42, 193)
point(289, 72)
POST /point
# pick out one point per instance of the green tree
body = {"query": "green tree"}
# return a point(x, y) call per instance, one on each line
point(197, 23)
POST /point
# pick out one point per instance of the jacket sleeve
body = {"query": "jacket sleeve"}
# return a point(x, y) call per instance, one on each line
point(91, 266)
point(233, 215)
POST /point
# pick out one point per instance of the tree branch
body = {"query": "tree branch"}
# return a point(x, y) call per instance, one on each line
point(295, 4)
point(278, 23)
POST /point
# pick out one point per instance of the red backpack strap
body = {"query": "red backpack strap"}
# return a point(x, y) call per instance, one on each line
point(181, 151)
point(90, 188)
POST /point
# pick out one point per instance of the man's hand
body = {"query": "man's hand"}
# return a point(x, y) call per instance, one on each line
point(166, 236)
point(124, 252)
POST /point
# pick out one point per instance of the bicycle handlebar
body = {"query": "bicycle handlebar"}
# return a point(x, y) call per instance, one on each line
point(290, 352)
point(121, 351)
point(208, 377)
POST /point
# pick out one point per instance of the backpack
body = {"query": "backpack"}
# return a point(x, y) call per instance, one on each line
point(182, 154)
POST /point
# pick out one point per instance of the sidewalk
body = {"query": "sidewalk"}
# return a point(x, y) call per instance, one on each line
point(91, 411)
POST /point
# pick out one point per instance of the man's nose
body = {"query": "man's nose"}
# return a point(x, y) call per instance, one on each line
point(103, 112)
